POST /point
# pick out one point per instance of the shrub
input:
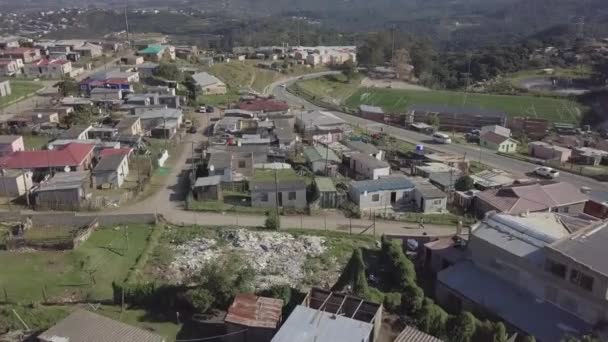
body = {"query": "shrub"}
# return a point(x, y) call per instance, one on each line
point(199, 299)
point(431, 318)
point(374, 295)
point(412, 298)
point(464, 183)
point(280, 292)
point(400, 269)
point(462, 327)
point(392, 301)
point(353, 275)
point(273, 221)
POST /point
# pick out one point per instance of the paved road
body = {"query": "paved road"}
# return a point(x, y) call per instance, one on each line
point(473, 153)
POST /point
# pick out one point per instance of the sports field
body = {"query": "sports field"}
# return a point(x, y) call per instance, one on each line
point(393, 100)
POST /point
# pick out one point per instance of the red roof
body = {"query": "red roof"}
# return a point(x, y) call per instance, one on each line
point(253, 311)
point(73, 154)
point(112, 151)
point(17, 50)
point(266, 105)
point(45, 61)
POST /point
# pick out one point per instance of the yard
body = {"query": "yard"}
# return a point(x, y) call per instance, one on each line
point(86, 272)
point(393, 100)
point(35, 142)
point(19, 89)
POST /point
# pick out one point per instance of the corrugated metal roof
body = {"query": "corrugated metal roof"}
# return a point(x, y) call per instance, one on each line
point(587, 247)
point(394, 182)
point(411, 334)
point(206, 181)
point(361, 146)
point(253, 311)
point(306, 325)
point(83, 325)
point(109, 163)
point(325, 184)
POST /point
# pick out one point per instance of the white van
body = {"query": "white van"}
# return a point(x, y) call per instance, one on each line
point(442, 138)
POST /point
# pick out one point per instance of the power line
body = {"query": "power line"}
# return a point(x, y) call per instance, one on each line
point(212, 337)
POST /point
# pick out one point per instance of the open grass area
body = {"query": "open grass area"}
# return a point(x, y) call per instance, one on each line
point(87, 271)
point(43, 317)
point(19, 89)
point(333, 88)
point(243, 74)
point(393, 100)
point(35, 142)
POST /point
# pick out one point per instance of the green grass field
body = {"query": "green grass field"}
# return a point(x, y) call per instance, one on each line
point(87, 271)
point(19, 89)
point(35, 142)
point(332, 88)
point(392, 100)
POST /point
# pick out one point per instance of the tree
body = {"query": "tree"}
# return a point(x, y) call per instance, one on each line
point(392, 302)
point(431, 318)
point(225, 278)
point(68, 87)
point(464, 183)
point(193, 89)
point(349, 70)
point(360, 286)
point(462, 327)
point(400, 269)
point(412, 298)
point(422, 57)
point(199, 299)
point(488, 331)
point(527, 339)
point(169, 71)
point(433, 120)
point(273, 220)
point(82, 115)
point(402, 63)
point(600, 71)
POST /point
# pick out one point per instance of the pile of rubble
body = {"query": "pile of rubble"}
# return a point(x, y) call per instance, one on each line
point(277, 258)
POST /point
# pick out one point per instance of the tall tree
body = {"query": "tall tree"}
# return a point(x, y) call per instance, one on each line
point(67, 87)
point(462, 327)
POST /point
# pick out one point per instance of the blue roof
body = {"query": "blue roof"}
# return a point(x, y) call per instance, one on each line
point(396, 182)
point(541, 319)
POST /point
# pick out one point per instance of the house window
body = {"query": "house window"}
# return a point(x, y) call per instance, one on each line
point(437, 202)
point(582, 280)
point(376, 198)
point(557, 269)
point(242, 164)
point(291, 196)
point(264, 197)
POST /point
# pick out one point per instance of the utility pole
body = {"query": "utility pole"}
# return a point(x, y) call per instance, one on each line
point(127, 19)
point(27, 190)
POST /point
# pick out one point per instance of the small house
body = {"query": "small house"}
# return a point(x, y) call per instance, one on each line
point(327, 192)
point(368, 167)
point(77, 132)
point(366, 148)
point(257, 318)
point(546, 151)
point(71, 157)
point(112, 169)
point(130, 125)
point(588, 156)
point(104, 94)
point(500, 130)
point(82, 325)
point(209, 84)
point(498, 142)
point(321, 160)
point(278, 188)
point(208, 189)
point(429, 199)
point(395, 191)
point(65, 191)
point(10, 144)
point(15, 183)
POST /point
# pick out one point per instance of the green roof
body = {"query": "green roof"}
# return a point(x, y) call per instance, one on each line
point(152, 49)
point(268, 175)
point(325, 184)
point(318, 153)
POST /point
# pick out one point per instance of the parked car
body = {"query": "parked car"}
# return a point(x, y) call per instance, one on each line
point(202, 109)
point(209, 109)
point(192, 130)
point(442, 138)
point(546, 172)
point(188, 124)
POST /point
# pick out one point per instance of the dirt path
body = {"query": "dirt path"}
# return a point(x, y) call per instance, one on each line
point(371, 83)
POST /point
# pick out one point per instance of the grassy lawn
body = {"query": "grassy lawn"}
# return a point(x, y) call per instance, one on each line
point(87, 271)
point(43, 317)
point(332, 88)
point(393, 100)
point(238, 75)
point(19, 89)
point(519, 76)
point(35, 142)
point(218, 100)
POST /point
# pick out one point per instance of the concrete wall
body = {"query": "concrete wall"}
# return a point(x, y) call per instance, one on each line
point(403, 197)
point(298, 203)
point(368, 172)
point(431, 205)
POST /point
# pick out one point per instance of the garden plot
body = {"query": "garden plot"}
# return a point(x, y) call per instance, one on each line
point(278, 258)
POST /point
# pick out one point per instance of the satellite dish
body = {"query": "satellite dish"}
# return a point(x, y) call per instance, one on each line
point(211, 168)
point(67, 169)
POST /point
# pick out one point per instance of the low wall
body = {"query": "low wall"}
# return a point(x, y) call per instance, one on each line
point(76, 220)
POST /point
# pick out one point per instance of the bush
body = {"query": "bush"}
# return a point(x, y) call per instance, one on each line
point(464, 183)
point(412, 298)
point(392, 301)
point(199, 299)
point(273, 220)
point(400, 269)
point(374, 295)
point(353, 275)
point(280, 292)
point(431, 318)
point(462, 327)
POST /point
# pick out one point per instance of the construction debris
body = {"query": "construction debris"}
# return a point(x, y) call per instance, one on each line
point(278, 258)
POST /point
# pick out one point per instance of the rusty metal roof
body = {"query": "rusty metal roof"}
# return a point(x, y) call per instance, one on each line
point(253, 311)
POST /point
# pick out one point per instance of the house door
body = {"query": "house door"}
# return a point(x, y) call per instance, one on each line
point(280, 199)
point(393, 197)
point(422, 205)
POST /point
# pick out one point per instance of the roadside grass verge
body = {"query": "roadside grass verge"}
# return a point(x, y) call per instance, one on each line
point(19, 89)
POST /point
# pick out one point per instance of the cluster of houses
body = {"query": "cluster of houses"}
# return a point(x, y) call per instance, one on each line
point(45, 58)
point(94, 155)
point(308, 55)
